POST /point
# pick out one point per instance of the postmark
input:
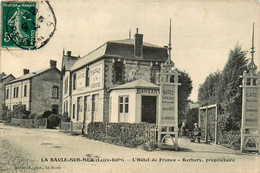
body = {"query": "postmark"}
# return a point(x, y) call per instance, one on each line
point(27, 25)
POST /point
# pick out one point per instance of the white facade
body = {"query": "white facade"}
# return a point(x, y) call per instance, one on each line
point(134, 102)
point(18, 92)
point(86, 99)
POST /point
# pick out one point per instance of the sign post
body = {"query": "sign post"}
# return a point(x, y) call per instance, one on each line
point(250, 110)
point(168, 103)
point(250, 113)
point(168, 114)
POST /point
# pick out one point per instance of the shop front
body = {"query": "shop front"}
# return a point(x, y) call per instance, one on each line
point(134, 102)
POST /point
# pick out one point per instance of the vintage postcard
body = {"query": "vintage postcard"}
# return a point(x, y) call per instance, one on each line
point(129, 86)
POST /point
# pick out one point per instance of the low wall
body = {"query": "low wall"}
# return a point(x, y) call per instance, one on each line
point(74, 127)
point(30, 123)
point(65, 127)
point(77, 127)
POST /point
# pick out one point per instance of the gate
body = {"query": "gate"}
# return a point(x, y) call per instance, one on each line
point(208, 122)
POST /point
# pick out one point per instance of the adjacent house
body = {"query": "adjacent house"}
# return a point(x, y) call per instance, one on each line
point(38, 91)
point(114, 83)
point(4, 79)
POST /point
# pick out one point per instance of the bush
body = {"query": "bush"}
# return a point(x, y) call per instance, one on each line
point(125, 134)
point(230, 139)
point(38, 117)
point(32, 116)
point(9, 116)
point(65, 117)
point(46, 114)
point(53, 121)
point(23, 116)
point(151, 145)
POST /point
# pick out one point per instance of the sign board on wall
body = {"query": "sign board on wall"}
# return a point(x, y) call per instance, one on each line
point(95, 76)
point(168, 109)
point(134, 72)
point(81, 81)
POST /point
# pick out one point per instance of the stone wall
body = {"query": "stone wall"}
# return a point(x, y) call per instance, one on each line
point(41, 91)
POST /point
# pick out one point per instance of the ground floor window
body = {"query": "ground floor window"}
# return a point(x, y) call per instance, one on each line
point(79, 106)
point(123, 109)
point(55, 109)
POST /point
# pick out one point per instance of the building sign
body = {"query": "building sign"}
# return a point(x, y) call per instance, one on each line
point(168, 109)
point(134, 72)
point(251, 107)
point(95, 76)
point(81, 81)
point(148, 91)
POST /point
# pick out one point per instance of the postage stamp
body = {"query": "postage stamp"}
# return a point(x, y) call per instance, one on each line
point(27, 25)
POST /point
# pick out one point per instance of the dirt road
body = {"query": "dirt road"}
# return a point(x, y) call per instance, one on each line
point(43, 150)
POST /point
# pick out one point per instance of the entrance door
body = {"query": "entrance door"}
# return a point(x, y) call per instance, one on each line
point(123, 109)
point(86, 109)
point(149, 109)
point(95, 101)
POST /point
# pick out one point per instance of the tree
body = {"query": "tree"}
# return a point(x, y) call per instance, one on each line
point(192, 117)
point(183, 93)
point(232, 93)
point(223, 87)
point(208, 91)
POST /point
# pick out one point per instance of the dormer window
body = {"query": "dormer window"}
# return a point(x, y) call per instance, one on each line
point(118, 72)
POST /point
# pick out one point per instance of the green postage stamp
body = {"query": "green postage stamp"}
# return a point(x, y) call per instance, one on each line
point(18, 24)
point(26, 25)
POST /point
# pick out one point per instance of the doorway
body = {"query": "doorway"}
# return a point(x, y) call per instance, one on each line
point(149, 109)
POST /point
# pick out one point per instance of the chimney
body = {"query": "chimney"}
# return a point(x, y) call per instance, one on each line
point(26, 71)
point(69, 53)
point(138, 47)
point(53, 63)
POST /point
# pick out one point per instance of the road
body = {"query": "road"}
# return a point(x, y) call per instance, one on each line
point(45, 150)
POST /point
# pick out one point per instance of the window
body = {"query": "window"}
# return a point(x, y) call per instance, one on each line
point(55, 109)
point(7, 93)
point(73, 109)
point(15, 94)
point(79, 106)
point(74, 81)
point(66, 86)
point(87, 77)
point(119, 67)
point(123, 104)
point(25, 90)
point(55, 92)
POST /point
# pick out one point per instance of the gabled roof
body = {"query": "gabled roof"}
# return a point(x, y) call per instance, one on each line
point(140, 83)
point(5, 77)
point(123, 49)
point(30, 75)
point(68, 61)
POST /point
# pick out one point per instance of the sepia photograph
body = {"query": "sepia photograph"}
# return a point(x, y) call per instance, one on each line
point(130, 86)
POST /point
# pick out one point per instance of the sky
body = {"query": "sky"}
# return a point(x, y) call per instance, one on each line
point(203, 33)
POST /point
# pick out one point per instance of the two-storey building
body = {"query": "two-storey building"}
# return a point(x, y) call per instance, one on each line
point(4, 79)
point(114, 83)
point(38, 91)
